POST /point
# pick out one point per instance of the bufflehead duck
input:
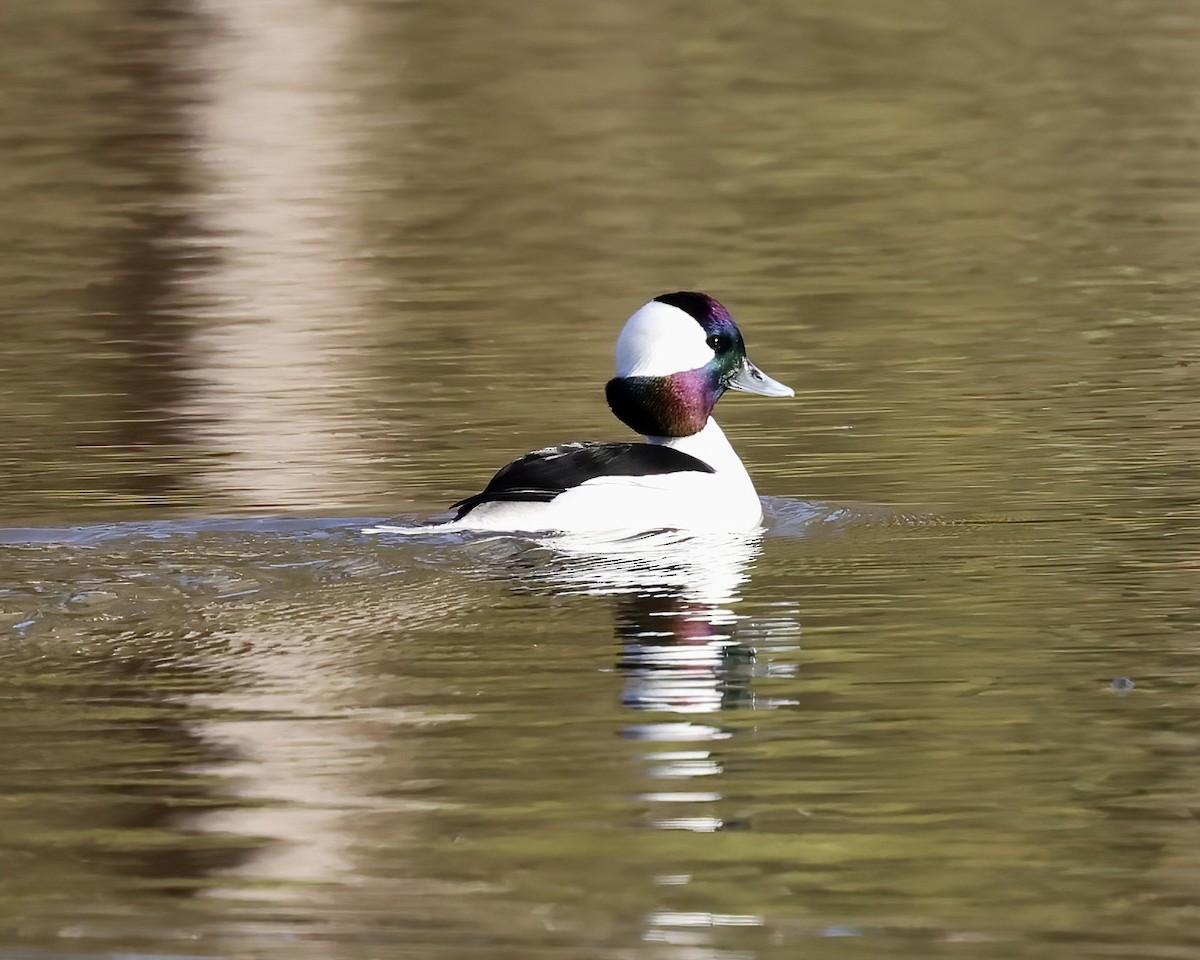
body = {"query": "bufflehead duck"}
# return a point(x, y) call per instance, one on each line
point(676, 357)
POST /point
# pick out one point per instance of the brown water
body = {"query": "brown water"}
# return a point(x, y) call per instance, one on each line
point(297, 263)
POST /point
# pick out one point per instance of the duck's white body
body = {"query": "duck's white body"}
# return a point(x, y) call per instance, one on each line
point(675, 357)
point(719, 502)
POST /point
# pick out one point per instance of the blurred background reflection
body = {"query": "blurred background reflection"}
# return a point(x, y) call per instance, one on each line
point(275, 269)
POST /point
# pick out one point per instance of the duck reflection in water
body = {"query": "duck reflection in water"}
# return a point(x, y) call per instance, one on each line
point(681, 655)
point(674, 619)
point(683, 650)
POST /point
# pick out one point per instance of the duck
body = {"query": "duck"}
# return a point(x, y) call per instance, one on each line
point(676, 356)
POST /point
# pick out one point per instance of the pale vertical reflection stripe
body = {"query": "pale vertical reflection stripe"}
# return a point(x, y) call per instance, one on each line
point(275, 144)
point(273, 137)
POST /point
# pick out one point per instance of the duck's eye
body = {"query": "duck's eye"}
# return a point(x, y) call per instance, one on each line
point(718, 343)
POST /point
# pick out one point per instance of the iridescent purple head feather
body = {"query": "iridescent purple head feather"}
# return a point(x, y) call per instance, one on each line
point(705, 310)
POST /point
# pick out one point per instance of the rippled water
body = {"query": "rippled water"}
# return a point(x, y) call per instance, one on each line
point(276, 270)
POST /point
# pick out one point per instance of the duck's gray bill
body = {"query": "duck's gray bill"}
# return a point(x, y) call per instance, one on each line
point(752, 380)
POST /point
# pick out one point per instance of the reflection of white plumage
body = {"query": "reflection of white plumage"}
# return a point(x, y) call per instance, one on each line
point(674, 617)
point(675, 358)
point(702, 571)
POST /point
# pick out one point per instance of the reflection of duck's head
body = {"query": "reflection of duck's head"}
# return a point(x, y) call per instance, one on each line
point(675, 358)
point(680, 655)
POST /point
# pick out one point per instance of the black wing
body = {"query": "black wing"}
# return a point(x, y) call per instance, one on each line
point(544, 474)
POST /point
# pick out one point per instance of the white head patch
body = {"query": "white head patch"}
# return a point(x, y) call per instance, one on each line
point(660, 340)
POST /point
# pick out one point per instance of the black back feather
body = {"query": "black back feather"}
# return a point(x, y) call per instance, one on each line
point(541, 476)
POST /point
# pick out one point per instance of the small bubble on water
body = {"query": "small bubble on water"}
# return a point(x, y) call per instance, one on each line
point(1122, 685)
point(839, 931)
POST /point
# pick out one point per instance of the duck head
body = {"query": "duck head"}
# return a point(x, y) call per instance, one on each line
point(676, 357)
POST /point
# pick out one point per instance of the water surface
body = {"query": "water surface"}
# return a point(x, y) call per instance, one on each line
point(275, 271)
